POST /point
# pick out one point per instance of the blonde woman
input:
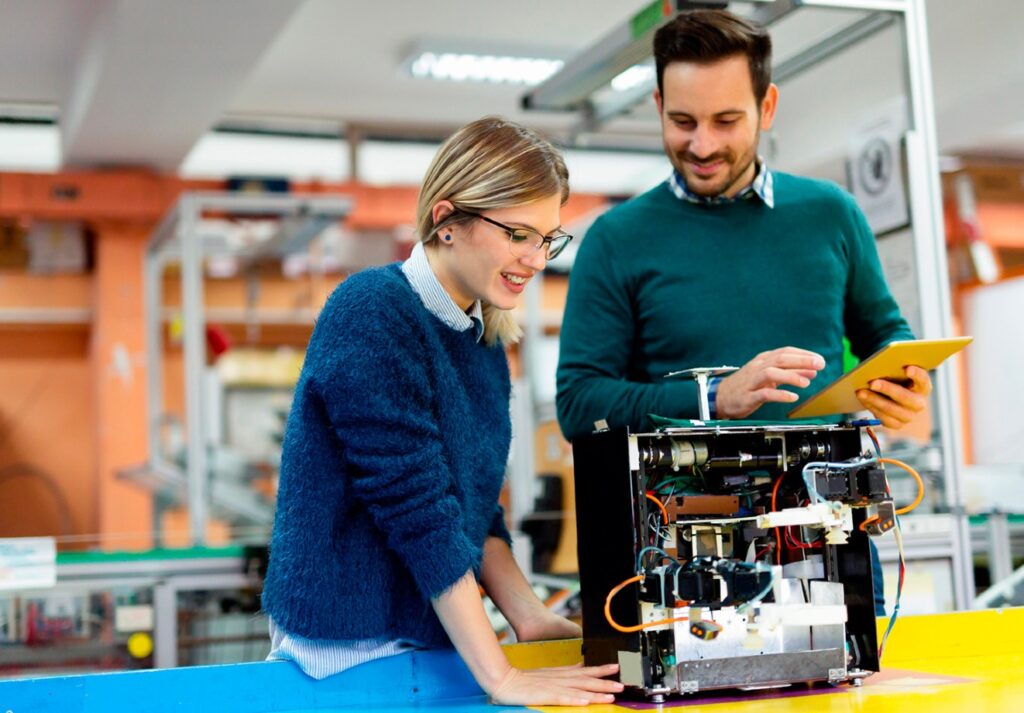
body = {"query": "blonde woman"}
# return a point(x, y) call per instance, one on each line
point(395, 449)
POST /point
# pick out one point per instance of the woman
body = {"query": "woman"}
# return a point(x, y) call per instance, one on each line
point(396, 445)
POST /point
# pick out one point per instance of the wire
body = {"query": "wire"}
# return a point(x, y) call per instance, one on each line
point(874, 440)
point(917, 477)
point(640, 557)
point(819, 465)
point(796, 543)
point(903, 510)
point(899, 588)
point(661, 506)
point(778, 534)
point(638, 627)
point(750, 603)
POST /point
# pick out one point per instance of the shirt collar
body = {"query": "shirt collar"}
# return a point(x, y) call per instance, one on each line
point(436, 299)
point(761, 187)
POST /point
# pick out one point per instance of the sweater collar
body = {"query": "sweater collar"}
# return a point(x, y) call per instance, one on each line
point(438, 302)
point(761, 187)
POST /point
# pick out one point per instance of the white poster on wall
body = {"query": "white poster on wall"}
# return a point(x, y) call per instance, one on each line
point(875, 167)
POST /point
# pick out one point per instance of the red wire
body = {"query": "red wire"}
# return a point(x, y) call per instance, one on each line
point(778, 535)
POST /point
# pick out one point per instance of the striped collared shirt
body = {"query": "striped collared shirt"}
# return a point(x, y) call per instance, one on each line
point(437, 301)
point(761, 187)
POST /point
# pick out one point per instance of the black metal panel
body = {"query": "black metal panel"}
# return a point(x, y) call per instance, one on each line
point(607, 520)
point(854, 559)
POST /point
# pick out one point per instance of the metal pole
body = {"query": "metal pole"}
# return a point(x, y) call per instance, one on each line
point(165, 625)
point(1000, 558)
point(932, 271)
point(194, 345)
point(523, 472)
point(153, 295)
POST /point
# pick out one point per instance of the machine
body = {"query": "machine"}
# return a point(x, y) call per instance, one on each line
point(730, 556)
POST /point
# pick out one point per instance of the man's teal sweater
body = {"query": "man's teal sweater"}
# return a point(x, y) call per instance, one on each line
point(662, 284)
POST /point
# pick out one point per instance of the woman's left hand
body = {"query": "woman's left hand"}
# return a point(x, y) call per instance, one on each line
point(545, 625)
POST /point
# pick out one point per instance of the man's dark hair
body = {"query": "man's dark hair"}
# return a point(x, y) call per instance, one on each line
point(706, 36)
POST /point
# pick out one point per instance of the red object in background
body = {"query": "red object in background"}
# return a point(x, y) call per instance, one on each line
point(217, 341)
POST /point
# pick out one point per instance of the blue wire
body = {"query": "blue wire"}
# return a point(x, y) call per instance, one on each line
point(899, 595)
point(640, 557)
point(761, 595)
point(812, 490)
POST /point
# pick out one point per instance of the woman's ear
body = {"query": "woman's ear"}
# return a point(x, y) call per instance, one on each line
point(441, 210)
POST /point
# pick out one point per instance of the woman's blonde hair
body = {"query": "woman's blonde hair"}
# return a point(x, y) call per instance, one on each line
point(490, 163)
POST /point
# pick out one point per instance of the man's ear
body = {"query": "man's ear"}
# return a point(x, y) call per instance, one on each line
point(657, 99)
point(768, 106)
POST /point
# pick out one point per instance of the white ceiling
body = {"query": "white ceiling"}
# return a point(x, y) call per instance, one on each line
point(141, 81)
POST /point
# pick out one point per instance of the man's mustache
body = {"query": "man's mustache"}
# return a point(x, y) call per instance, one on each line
point(705, 160)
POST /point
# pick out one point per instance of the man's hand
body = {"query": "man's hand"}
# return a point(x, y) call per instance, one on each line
point(894, 404)
point(758, 381)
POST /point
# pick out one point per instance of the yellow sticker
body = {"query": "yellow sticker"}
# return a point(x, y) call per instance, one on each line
point(140, 645)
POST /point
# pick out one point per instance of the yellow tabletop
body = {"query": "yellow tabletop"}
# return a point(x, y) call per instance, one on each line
point(965, 661)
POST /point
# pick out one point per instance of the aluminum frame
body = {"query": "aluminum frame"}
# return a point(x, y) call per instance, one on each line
point(177, 238)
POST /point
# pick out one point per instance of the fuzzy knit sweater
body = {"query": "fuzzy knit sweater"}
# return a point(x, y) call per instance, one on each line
point(393, 458)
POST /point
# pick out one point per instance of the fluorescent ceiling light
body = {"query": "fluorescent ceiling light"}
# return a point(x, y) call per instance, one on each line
point(217, 155)
point(633, 77)
point(29, 147)
point(498, 69)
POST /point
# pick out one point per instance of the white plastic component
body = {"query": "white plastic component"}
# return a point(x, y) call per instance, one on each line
point(835, 518)
point(773, 615)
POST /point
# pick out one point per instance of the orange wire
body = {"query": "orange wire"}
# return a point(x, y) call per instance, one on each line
point(664, 512)
point(908, 508)
point(638, 627)
point(778, 535)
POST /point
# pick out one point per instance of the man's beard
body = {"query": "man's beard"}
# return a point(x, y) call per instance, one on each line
point(736, 168)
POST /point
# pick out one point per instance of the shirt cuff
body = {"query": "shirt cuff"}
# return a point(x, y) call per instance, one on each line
point(712, 396)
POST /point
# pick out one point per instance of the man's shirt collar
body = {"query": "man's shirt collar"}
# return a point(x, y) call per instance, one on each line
point(761, 187)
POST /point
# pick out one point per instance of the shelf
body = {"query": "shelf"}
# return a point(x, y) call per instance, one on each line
point(23, 319)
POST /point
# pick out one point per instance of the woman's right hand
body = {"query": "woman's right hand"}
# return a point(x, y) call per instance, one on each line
point(557, 686)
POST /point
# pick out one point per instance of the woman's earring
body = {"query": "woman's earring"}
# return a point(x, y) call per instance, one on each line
point(447, 238)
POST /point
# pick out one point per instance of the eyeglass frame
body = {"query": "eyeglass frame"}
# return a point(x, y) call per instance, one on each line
point(544, 239)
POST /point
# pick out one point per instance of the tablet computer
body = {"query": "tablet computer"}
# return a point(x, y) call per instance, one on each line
point(887, 363)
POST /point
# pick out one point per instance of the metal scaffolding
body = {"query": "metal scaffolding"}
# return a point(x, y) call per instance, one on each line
point(178, 239)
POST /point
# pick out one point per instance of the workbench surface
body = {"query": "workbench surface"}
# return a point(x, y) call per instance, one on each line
point(950, 662)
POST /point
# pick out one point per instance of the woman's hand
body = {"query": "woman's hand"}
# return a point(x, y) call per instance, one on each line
point(561, 686)
point(461, 611)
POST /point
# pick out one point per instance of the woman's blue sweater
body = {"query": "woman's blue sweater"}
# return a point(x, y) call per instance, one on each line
point(393, 458)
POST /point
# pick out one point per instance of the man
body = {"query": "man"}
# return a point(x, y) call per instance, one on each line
point(724, 263)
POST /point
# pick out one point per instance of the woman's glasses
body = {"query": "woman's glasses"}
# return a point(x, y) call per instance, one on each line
point(524, 242)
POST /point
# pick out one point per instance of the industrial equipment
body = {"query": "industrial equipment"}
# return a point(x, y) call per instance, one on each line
point(721, 556)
